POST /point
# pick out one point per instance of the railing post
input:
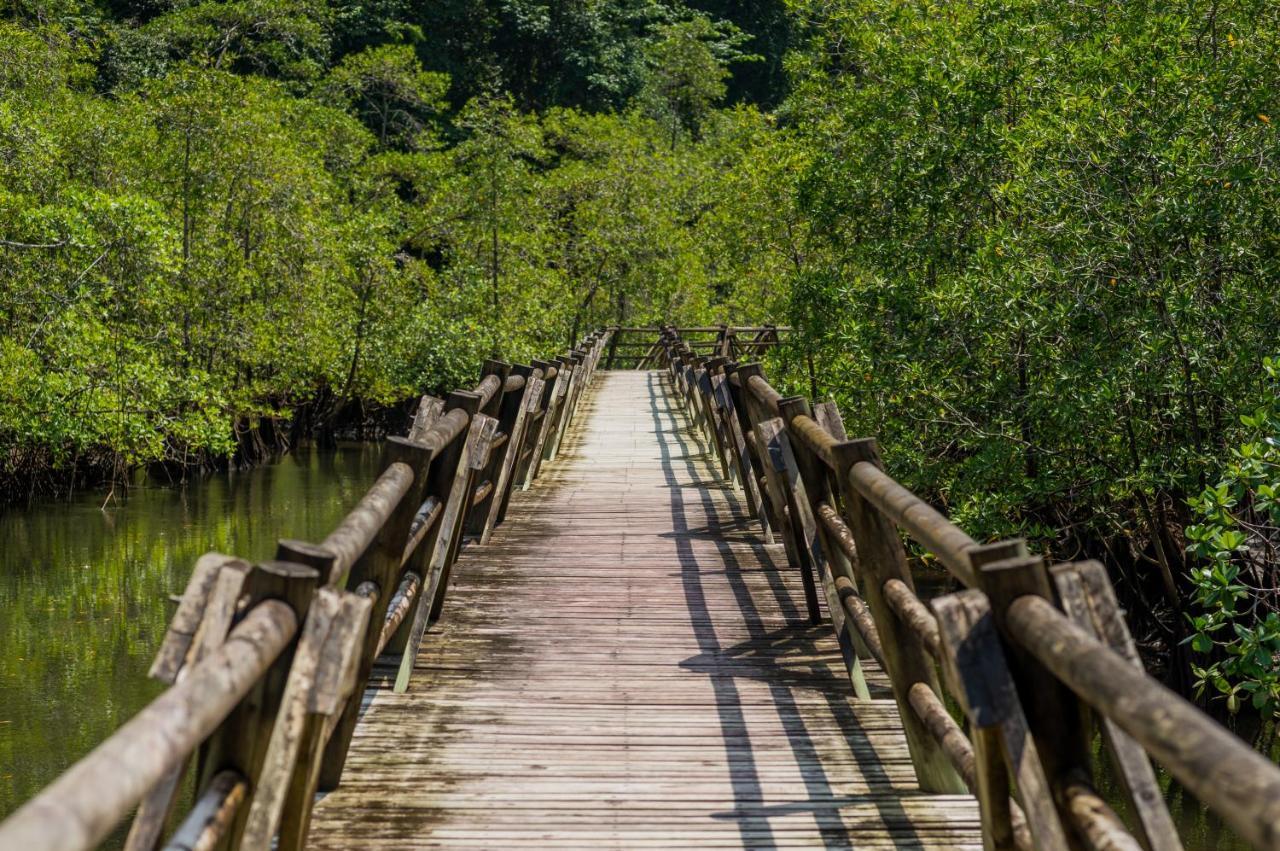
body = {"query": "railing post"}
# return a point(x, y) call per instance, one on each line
point(1088, 599)
point(714, 421)
point(570, 367)
point(614, 334)
point(191, 636)
point(828, 558)
point(330, 692)
point(828, 417)
point(525, 404)
point(240, 744)
point(741, 452)
point(749, 416)
point(782, 454)
point(804, 549)
point(380, 565)
point(506, 411)
point(974, 662)
point(1053, 712)
point(882, 557)
point(475, 453)
point(551, 389)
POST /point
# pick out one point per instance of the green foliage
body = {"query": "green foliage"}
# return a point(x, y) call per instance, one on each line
point(1235, 541)
point(387, 88)
point(1043, 254)
point(235, 232)
point(285, 39)
point(687, 68)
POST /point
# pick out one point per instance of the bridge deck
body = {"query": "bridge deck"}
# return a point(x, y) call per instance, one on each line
point(625, 665)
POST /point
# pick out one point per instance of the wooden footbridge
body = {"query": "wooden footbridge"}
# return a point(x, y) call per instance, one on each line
point(642, 609)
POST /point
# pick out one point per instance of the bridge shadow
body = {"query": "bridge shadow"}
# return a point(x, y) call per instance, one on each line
point(786, 659)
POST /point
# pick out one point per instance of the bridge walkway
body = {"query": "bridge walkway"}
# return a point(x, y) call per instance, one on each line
point(626, 665)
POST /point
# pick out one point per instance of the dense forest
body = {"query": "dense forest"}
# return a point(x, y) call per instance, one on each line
point(1033, 247)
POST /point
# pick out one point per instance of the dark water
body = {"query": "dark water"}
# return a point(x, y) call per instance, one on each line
point(84, 593)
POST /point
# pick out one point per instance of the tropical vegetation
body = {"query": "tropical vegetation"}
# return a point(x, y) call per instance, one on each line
point(1032, 247)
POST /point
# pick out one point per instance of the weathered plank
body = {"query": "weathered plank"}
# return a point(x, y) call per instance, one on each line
point(627, 664)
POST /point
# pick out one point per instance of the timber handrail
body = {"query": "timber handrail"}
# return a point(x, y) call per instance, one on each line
point(638, 347)
point(1032, 655)
point(267, 664)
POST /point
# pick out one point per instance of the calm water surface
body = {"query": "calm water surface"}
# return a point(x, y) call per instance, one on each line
point(84, 593)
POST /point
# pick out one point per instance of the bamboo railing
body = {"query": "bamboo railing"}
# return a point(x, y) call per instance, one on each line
point(267, 664)
point(1036, 657)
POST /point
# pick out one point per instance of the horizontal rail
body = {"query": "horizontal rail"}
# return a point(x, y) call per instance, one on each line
point(842, 516)
point(357, 530)
point(81, 807)
point(307, 681)
point(922, 521)
point(1239, 784)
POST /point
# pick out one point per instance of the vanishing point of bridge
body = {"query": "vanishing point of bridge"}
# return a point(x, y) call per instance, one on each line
point(629, 609)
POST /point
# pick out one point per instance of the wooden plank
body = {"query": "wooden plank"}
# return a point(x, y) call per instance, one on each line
point(638, 673)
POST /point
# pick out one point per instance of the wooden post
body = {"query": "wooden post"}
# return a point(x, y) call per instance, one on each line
point(551, 422)
point(199, 626)
point(551, 391)
point(782, 455)
point(290, 730)
point(979, 676)
point(429, 410)
point(1089, 600)
point(240, 745)
point(379, 565)
point(475, 455)
point(506, 413)
point(881, 558)
point(1053, 711)
point(456, 461)
point(749, 414)
point(568, 405)
point(746, 469)
point(564, 389)
point(501, 370)
point(812, 469)
point(525, 404)
point(828, 417)
point(330, 691)
point(715, 419)
point(613, 348)
point(800, 528)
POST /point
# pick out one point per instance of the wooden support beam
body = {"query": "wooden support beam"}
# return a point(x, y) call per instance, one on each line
point(882, 557)
point(974, 663)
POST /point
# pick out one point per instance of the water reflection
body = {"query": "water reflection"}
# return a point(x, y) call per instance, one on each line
point(84, 593)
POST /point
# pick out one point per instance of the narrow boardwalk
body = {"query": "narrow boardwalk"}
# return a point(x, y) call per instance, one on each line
point(627, 666)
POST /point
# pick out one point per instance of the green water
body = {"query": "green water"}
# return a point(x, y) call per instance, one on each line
point(84, 593)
